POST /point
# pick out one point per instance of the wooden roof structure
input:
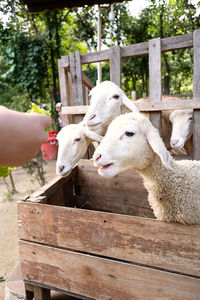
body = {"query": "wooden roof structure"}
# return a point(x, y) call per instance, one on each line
point(36, 6)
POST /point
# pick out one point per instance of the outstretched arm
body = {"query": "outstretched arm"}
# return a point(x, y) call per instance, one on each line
point(21, 136)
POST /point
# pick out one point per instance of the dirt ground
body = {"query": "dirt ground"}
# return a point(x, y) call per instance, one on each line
point(9, 253)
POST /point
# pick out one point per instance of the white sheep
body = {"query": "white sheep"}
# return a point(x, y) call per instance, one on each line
point(177, 126)
point(106, 103)
point(107, 100)
point(173, 186)
point(73, 141)
point(182, 129)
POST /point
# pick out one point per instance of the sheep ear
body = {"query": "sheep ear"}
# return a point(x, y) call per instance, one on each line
point(158, 146)
point(93, 136)
point(129, 104)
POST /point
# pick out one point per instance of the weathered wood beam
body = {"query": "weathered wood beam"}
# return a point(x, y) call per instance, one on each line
point(142, 106)
point(167, 44)
point(155, 88)
point(196, 95)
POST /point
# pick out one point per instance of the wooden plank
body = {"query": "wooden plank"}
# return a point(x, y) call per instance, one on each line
point(196, 95)
point(87, 175)
point(169, 105)
point(177, 42)
point(56, 292)
point(50, 188)
point(87, 58)
point(155, 88)
point(64, 89)
point(135, 50)
point(139, 49)
point(100, 278)
point(87, 82)
point(41, 293)
point(129, 204)
point(75, 110)
point(65, 61)
point(124, 193)
point(142, 106)
point(76, 79)
point(144, 241)
point(115, 65)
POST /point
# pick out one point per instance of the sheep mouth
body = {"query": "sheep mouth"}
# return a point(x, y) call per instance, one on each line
point(105, 166)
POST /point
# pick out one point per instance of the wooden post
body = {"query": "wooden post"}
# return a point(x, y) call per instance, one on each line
point(196, 94)
point(115, 65)
point(41, 293)
point(134, 95)
point(76, 79)
point(155, 84)
point(99, 77)
point(64, 90)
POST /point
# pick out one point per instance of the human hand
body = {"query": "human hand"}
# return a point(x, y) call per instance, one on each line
point(21, 136)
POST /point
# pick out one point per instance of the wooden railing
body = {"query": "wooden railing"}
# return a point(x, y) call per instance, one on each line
point(77, 106)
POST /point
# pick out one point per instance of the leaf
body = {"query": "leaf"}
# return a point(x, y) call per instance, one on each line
point(4, 171)
point(2, 279)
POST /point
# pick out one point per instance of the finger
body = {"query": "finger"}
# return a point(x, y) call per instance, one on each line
point(46, 121)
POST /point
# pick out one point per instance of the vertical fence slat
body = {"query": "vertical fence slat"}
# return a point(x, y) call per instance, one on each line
point(115, 65)
point(196, 94)
point(64, 90)
point(155, 90)
point(76, 79)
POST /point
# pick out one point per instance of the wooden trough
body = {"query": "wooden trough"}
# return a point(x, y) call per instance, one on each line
point(96, 238)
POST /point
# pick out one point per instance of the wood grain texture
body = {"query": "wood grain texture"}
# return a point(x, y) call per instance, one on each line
point(64, 89)
point(142, 106)
point(139, 49)
point(155, 88)
point(100, 278)
point(115, 65)
point(145, 241)
point(50, 188)
point(196, 77)
point(124, 193)
point(196, 95)
point(76, 79)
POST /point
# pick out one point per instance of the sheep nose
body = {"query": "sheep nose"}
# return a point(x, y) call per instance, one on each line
point(61, 168)
point(174, 142)
point(97, 156)
point(92, 117)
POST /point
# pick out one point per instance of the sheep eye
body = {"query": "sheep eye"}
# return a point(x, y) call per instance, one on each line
point(129, 133)
point(116, 97)
point(190, 119)
point(77, 140)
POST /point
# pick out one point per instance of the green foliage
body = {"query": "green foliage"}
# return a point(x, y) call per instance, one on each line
point(35, 167)
point(31, 44)
point(4, 171)
point(25, 56)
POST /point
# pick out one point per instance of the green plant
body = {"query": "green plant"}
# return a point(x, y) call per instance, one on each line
point(36, 167)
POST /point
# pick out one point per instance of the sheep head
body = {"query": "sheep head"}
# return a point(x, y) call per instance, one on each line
point(73, 141)
point(182, 127)
point(131, 141)
point(105, 105)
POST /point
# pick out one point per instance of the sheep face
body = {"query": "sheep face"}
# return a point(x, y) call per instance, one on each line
point(72, 145)
point(73, 141)
point(182, 127)
point(130, 141)
point(105, 104)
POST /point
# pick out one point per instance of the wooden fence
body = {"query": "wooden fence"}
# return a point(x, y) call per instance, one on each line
point(72, 90)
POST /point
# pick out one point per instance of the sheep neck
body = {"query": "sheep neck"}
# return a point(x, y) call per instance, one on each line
point(155, 169)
